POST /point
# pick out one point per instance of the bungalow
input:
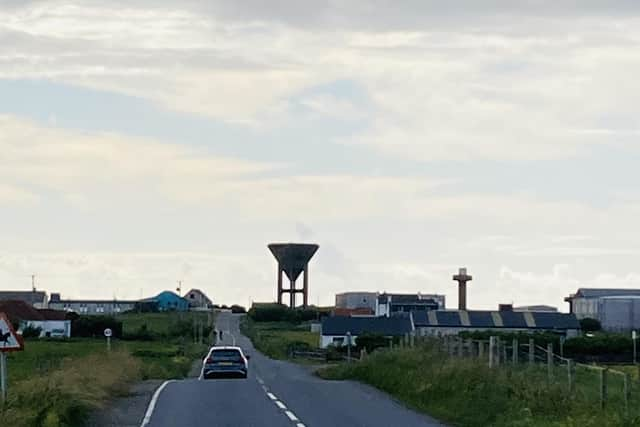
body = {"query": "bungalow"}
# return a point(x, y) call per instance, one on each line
point(334, 329)
point(198, 300)
point(451, 322)
point(52, 323)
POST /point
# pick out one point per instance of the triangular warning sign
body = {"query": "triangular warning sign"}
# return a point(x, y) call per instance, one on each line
point(9, 340)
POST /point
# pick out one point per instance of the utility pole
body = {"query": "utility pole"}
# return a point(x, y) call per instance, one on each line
point(179, 288)
point(33, 282)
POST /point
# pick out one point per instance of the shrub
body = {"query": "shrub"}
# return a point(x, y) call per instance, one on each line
point(31, 332)
point(590, 325)
point(370, 342)
point(94, 326)
point(282, 313)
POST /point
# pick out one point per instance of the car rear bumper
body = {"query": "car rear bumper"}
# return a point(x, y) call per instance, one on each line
point(219, 371)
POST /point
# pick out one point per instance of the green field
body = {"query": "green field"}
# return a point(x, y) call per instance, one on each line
point(465, 392)
point(276, 338)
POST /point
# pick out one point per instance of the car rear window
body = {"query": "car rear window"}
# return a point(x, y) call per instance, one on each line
point(225, 355)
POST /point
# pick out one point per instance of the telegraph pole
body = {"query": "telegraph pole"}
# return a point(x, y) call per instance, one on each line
point(179, 288)
point(33, 282)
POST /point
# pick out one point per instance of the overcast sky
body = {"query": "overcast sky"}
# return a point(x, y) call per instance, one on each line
point(147, 142)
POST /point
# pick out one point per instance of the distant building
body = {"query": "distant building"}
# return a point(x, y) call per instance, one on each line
point(452, 322)
point(91, 306)
point(52, 323)
point(37, 299)
point(388, 304)
point(169, 301)
point(363, 311)
point(334, 329)
point(536, 308)
point(616, 309)
point(198, 299)
point(357, 300)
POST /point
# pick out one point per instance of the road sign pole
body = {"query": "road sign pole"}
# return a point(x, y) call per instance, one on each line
point(3, 377)
point(108, 343)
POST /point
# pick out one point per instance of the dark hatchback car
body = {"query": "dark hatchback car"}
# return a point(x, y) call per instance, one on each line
point(225, 362)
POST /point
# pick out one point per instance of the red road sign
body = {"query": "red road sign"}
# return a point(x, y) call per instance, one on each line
point(9, 340)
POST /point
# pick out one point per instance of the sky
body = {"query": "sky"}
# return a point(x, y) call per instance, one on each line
point(146, 142)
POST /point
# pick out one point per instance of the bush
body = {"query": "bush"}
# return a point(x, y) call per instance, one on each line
point(94, 326)
point(282, 313)
point(590, 325)
point(370, 342)
point(31, 332)
point(238, 309)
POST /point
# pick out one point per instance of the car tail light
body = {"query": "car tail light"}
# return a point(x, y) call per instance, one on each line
point(209, 360)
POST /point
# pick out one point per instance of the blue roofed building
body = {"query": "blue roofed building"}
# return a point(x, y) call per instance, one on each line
point(169, 301)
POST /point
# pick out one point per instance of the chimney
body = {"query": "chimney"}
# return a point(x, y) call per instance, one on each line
point(505, 307)
point(462, 278)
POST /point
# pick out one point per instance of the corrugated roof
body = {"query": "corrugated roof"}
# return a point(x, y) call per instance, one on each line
point(338, 325)
point(496, 319)
point(603, 292)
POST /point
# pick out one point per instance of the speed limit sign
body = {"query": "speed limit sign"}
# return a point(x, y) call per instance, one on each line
point(108, 332)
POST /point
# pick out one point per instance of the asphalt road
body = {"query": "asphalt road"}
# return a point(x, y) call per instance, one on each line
point(276, 394)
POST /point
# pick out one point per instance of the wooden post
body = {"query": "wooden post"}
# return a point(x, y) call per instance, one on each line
point(412, 340)
point(3, 377)
point(532, 351)
point(492, 352)
point(470, 347)
point(603, 388)
point(480, 349)
point(626, 393)
point(514, 351)
point(109, 344)
point(460, 347)
point(570, 375)
point(504, 352)
point(550, 361)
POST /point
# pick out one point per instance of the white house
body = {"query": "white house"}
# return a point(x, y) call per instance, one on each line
point(335, 330)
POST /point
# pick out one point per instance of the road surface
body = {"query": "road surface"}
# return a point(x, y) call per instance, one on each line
point(276, 394)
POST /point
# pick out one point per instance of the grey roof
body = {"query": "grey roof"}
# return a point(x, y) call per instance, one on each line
point(338, 325)
point(605, 292)
point(26, 296)
point(485, 319)
point(93, 301)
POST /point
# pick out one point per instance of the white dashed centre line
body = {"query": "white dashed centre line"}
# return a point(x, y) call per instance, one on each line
point(300, 425)
point(291, 415)
point(280, 405)
point(272, 396)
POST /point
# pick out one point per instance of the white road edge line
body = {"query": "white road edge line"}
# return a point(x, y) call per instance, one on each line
point(291, 416)
point(272, 396)
point(152, 404)
point(280, 405)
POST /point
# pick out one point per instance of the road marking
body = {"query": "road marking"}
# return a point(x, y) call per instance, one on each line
point(291, 416)
point(300, 425)
point(272, 396)
point(264, 387)
point(259, 380)
point(152, 404)
point(280, 405)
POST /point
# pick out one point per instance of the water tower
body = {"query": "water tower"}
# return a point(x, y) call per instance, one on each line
point(293, 259)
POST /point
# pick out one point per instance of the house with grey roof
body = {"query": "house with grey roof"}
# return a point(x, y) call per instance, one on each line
point(36, 299)
point(452, 322)
point(91, 306)
point(336, 329)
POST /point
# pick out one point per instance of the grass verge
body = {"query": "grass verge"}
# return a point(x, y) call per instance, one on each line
point(465, 392)
point(64, 396)
point(276, 338)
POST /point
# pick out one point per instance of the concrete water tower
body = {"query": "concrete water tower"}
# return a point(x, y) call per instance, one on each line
point(293, 259)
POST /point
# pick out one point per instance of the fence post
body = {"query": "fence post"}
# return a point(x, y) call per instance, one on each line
point(460, 347)
point(504, 352)
point(603, 387)
point(514, 353)
point(412, 340)
point(470, 347)
point(626, 394)
point(570, 375)
point(480, 349)
point(532, 351)
point(550, 361)
point(498, 353)
point(492, 345)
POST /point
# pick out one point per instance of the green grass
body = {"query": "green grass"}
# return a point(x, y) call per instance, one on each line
point(275, 338)
point(465, 392)
point(158, 323)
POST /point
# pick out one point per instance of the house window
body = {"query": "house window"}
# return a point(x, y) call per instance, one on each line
point(192, 296)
